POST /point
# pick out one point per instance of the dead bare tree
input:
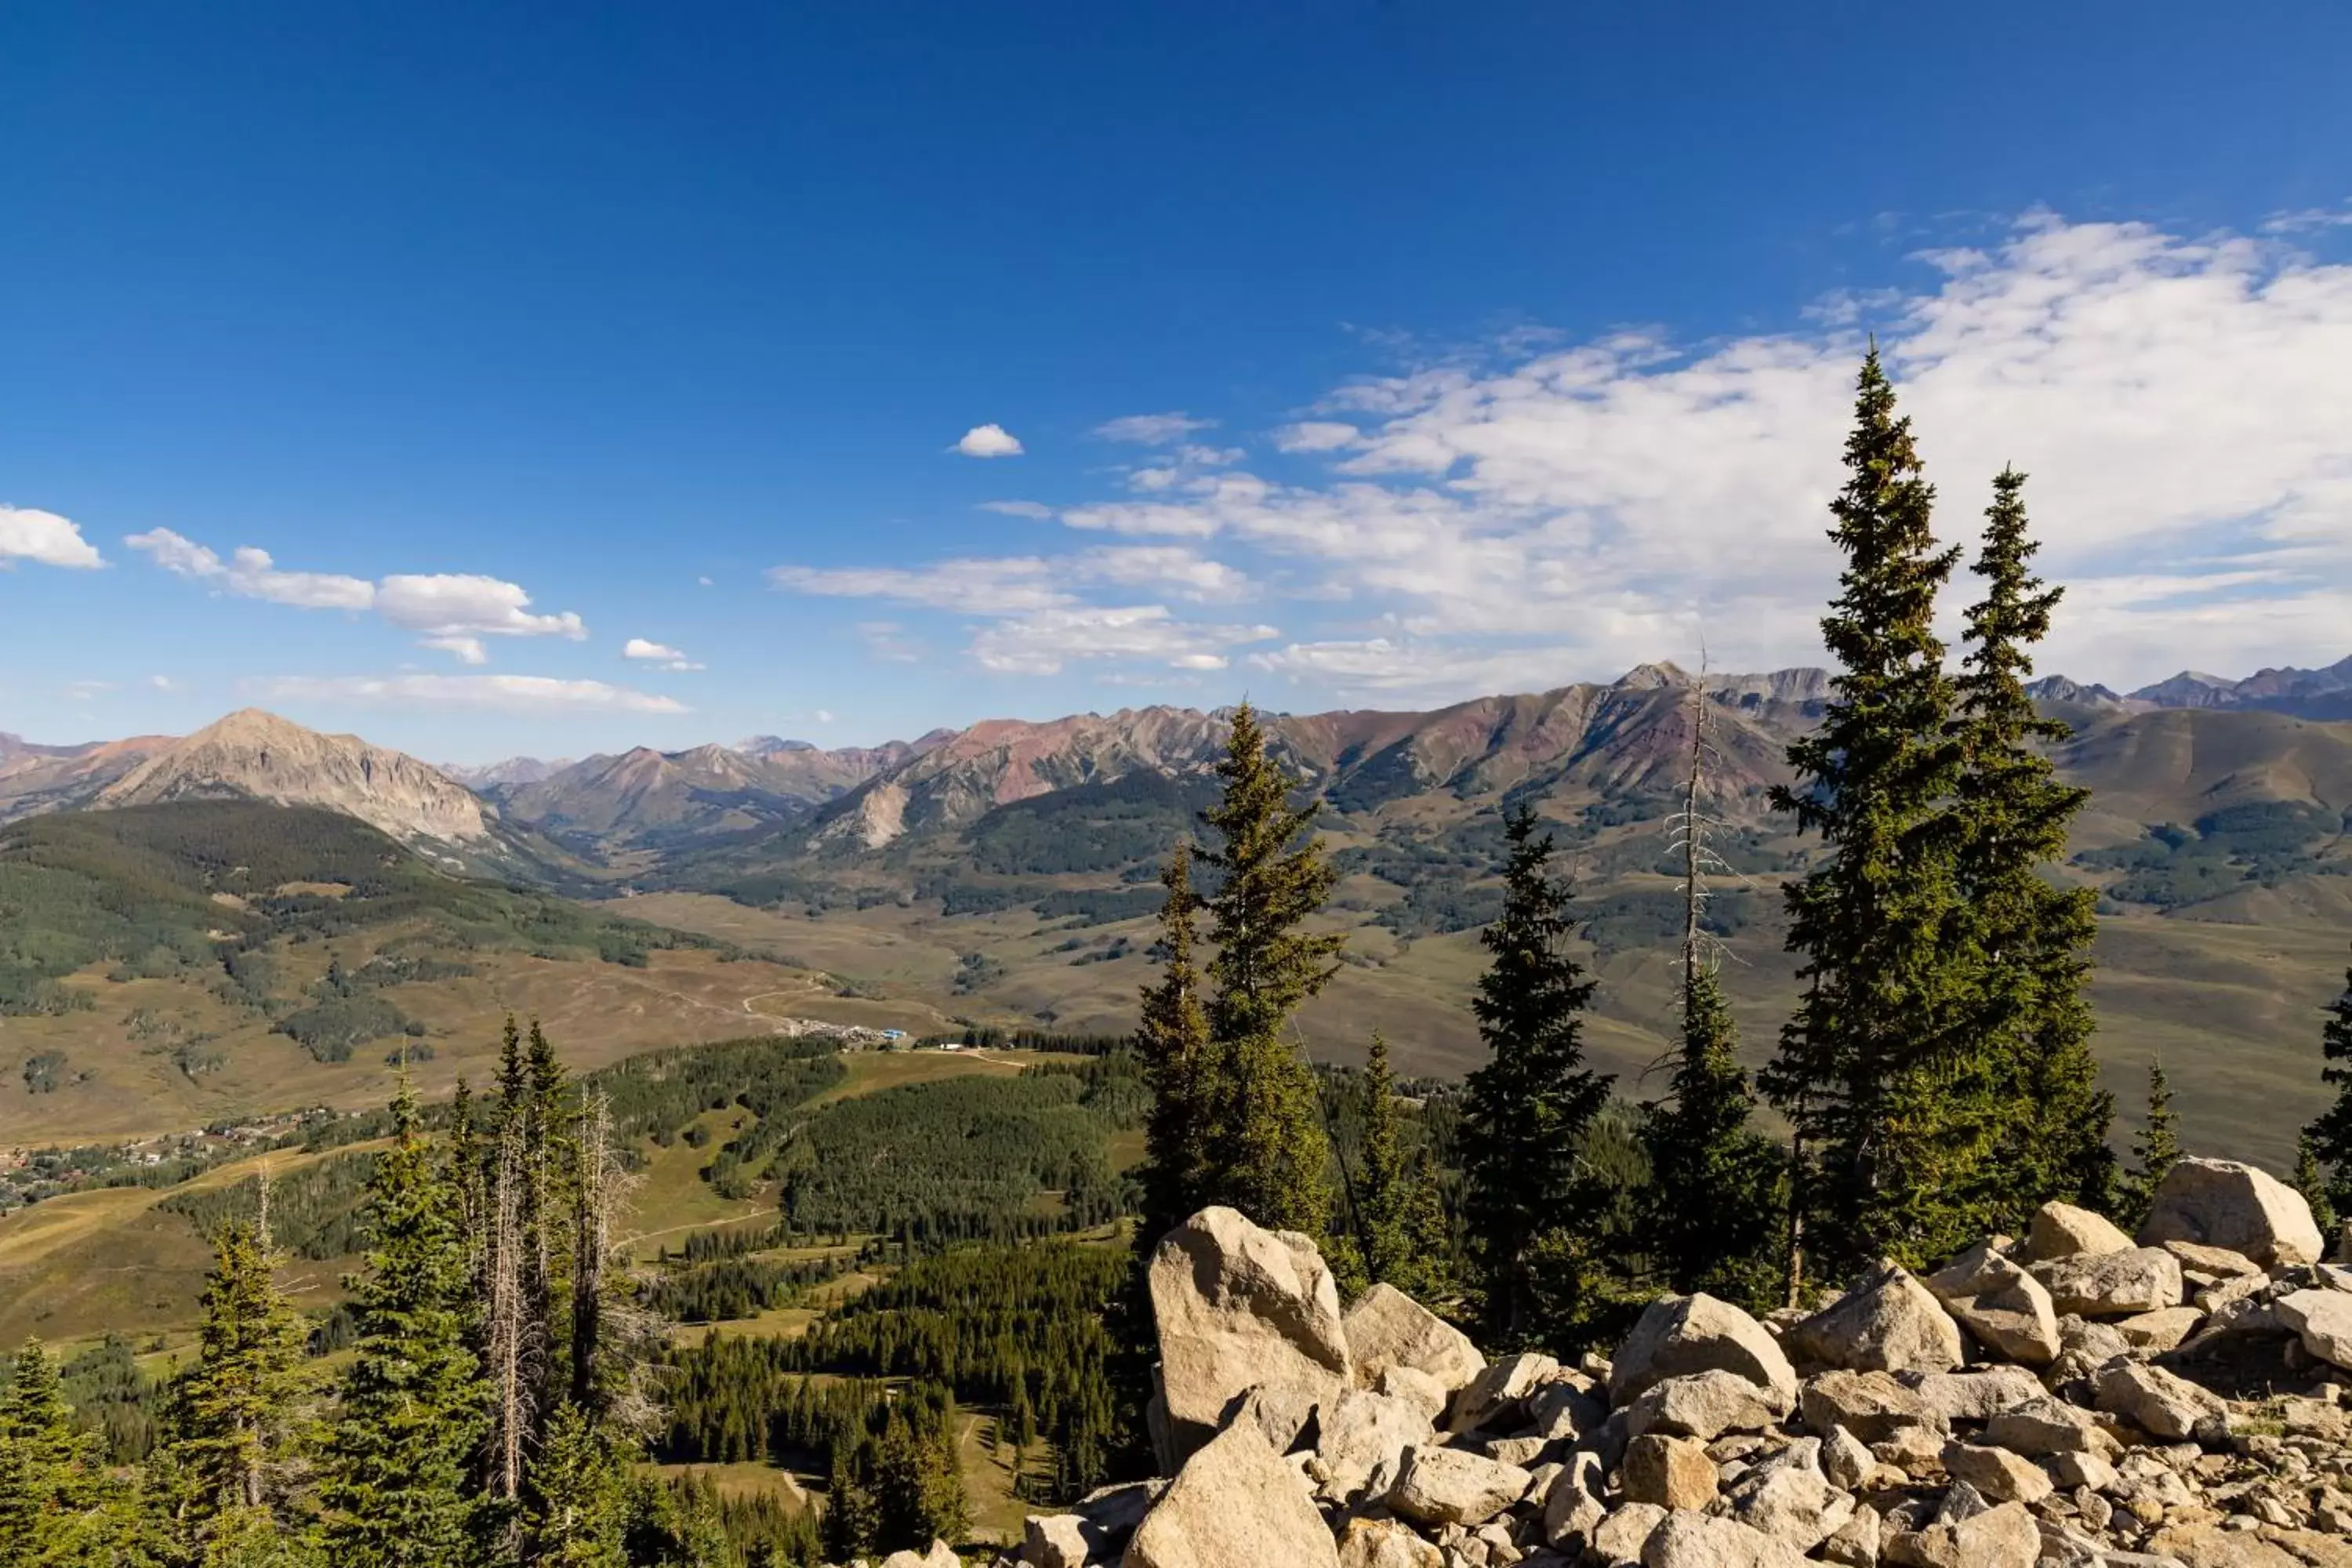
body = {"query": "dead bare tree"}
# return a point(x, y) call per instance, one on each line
point(507, 1329)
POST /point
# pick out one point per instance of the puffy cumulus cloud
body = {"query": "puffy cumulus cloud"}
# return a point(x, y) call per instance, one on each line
point(28, 533)
point(989, 441)
point(451, 612)
point(510, 693)
point(1043, 642)
point(661, 654)
point(1564, 509)
point(1152, 429)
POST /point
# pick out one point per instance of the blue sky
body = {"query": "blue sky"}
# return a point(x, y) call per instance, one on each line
point(1366, 354)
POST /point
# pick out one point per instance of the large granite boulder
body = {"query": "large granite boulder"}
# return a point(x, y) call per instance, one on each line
point(1874, 1406)
point(2162, 1403)
point(1689, 1539)
point(1235, 1501)
point(1361, 1435)
point(2226, 1204)
point(2324, 1320)
point(1453, 1485)
point(1385, 1543)
point(1707, 1405)
point(1671, 1472)
point(1681, 1335)
point(2006, 1308)
point(1386, 1328)
point(1240, 1307)
point(2002, 1537)
point(2113, 1284)
point(2062, 1230)
point(1888, 1322)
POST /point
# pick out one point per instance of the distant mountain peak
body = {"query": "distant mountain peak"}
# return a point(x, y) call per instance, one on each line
point(256, 754)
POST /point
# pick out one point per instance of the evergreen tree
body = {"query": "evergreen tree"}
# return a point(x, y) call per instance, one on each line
point(1174, 1041)
point(1383, 1187)
point(851, 1520)
point(1269, 1157)
point(1869, 1068)
point(2035, 1082)
point(2312, 1182)
point(2331, 1131)
point(49, 1483)
point(238, 1410)
point(2154, 1149)
point(1526, 1109)
point(577, 1514)
point(411, 1407)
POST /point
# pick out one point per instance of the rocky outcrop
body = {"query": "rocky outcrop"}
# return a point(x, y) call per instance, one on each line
point(2224, 1203)
point(1961, 1421)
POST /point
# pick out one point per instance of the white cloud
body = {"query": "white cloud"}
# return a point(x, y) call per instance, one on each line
point(28, 533)
point(989, 441)
point(978, 587)
point(666, 656)
point(163, 683)
point(705, 581)
point(83, 690)
point(510, 693)
point(450, 611)
point(1036, 512)
point(822, 716)
point(1041, 643)
point(1152, 429)
point(1317, 436)
point(885, 641)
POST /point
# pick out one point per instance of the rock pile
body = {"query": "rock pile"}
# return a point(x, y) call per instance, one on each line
point(2075, 1399)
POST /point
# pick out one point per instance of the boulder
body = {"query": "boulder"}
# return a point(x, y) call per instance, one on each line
point(939, 1555)
point(1235, 1501)
point(1566, 1407)
point(2223, 1202)
point(2219, 1261)
point(1618, 1540)
point(1870, 1405)
point(1060, 1541)
point(1577, 1502)
point(1453, 1486)
point(2048, 1426)
point(2161, 1329)
point(1385, 1543)
point(1791, 1504)
point(1363, 1433)
point(1280, 1415)
point(2003, 1537)
point(1706, 1405)
point(1386, 1328)
point(1680, 1334)
point(1497, 1396)
point(1686, 1539)
point(1888, 1322)
point(2071, 1471)
point(2162, 1403)
point(2001, 1304)
point(1671, 1472)
point(2113, 1284)
point(1415, 1387)
point(1846, 1459)
point(1996, 1473)
point(1240, 1307)
point(2062, 1230)
point(2324, 1320)
point(1855, 1544)
point(1975, 1395)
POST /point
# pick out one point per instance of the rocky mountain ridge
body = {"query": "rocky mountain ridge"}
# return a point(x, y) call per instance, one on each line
point(2075, 1398)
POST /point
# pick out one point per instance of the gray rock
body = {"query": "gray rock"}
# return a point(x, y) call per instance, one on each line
point(2003, 1305)
point(1386, 1328)
point(1567, 1407)
point(2162, 1403)
point(2221, 1262)
point(1452, 1485)
point(2113, 1284)
point(1619, 1539)
point(2003, 1537)
point(2222, 1203)
point(2062, 1230)
point(2048, 1426)
point(1686, 1539)
point(1362, 1433)
point(1888, 1322)
point(1975, 1395)
point(1577, 1502)
point(2324, 1320)
point(1235, 1501)
point(1793, 1503)
point(1498, 1395)
point(1681, 1334)
point(2162, 1329)
point(1870, 1405)
point(1240, 1307)
point(1996, 1473)
point(1063, 1541)
point(1706, 1405)
point(1847, 1461)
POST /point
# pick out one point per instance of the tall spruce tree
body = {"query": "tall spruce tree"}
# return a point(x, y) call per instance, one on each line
point(1384, 1186)
point(2035, 1084)
point(2331, 1131)
point(411, 1406)
point(49, 1483)
point(2154, 1148)
point(1173, 1037)
point(577, 1515)
point(237, 1413)
point(1268, 1155)
point(1528, 1108)
point(1868, 1069)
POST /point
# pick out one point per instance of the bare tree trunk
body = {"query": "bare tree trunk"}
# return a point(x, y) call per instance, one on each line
point(508, 1325)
